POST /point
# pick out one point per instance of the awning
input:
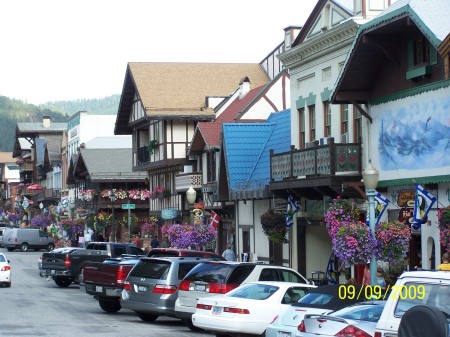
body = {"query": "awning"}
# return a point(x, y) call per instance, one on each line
point(412, 181)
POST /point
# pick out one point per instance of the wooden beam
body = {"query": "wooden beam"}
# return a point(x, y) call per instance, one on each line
point(362, 111)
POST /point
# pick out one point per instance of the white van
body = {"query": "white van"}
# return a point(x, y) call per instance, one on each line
point(2, 229)
point(27, 238)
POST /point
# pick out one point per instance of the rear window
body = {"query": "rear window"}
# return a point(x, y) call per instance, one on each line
point(316, 299)
point(217, 273)
point(184, 268)
point(153, 269)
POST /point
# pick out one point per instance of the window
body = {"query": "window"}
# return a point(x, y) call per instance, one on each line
point(357, 125)
point(420, 57)
point(312, 122)
point(327, 118)
point(344, 118)
point(302, 140)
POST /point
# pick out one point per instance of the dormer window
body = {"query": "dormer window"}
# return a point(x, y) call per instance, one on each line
point(421, 55)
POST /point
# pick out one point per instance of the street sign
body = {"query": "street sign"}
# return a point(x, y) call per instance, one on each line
point(128, 206)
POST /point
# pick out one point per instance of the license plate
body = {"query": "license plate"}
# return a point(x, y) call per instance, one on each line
point(142, 288)
point(98, 289)
point(217, 310)
point(200, 287)
point(284, 334)
point(52, 272)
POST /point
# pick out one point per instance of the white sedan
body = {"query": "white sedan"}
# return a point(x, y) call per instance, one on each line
point(5, 271)
point(248, 309)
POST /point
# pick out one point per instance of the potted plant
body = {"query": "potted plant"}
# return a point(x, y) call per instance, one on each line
point(274, 226)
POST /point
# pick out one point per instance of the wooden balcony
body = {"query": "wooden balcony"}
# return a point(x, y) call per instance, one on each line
point(48, 194)
point(185, 180)
point(26, 166)
point(321, 170)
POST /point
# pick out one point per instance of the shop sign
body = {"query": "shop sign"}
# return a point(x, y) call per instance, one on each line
point(169, 213)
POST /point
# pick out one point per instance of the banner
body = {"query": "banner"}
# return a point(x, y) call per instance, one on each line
point(215, 219)
point(292, 208)
point(423, 201)
point(381, 203)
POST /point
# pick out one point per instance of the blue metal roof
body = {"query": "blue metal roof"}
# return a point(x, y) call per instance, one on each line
point(247, 148)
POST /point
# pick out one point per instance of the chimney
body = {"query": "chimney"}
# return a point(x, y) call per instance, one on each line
point(244, 87)
point(290, 33)
point(46, 121)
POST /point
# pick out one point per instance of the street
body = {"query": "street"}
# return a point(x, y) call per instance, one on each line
point(34, 306)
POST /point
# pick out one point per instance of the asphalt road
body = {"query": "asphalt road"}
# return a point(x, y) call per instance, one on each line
point(34, 306)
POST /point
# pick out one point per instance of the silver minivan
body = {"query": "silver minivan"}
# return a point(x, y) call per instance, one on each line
point(27, 238)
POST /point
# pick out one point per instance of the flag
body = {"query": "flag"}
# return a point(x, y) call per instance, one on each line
point(423, 201)
point(215, 219)
point(292, 208)
point(381, 203)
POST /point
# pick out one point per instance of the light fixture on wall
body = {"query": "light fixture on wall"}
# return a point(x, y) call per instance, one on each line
point(191, 195)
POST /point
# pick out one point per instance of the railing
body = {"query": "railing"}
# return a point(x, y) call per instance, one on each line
point(49, 193)
point(331, 159)
point(185, 180)
point(26, 166)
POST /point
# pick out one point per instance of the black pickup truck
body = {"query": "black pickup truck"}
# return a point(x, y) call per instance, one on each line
point(66, 268)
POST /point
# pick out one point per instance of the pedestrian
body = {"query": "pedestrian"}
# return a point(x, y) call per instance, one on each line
point(366, 277)
point(87, 238)
point(165, 243)
point(349, 280)
point(380, 278)
point(154, 243)
point(81, 240)
point(445, 265)
point(137, 241)
point(228, 254)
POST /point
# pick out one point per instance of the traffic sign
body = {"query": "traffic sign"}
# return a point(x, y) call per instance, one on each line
point(128, 206)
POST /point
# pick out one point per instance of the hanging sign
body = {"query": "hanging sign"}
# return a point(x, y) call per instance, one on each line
point(169, 213)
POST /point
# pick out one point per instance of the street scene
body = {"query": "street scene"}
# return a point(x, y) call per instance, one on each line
point(304, 194)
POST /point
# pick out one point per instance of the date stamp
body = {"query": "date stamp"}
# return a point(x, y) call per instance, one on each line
point(404, 292)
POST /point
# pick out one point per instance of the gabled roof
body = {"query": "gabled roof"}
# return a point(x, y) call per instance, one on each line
point(212, 131)
point(179, 90)
point(246, 147)
point(24, 129)
point(361, 64)
point(311, 27)
point(108, 165)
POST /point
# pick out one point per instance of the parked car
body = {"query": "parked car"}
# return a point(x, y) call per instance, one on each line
point(27, 238)
point(320, 300)
point(5, 271)
point(356, 320)
point(66, 268)
point(247, 309)
point(174, 252)
point(217, 278)
point(420, 289)
point(105, 280)
point(68, 250)
point(151, 287)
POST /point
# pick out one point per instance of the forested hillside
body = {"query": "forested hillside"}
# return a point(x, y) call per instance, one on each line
point(14, 111)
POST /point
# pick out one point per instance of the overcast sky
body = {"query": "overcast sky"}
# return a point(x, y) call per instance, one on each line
point(65, 49)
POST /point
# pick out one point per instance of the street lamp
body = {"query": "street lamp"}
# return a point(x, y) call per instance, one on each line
point(370, 178)
point(191, 195)
point(112, 197)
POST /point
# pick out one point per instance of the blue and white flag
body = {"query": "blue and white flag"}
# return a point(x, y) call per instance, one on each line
point(292, 208)
point(381, 203)
point(423, 201)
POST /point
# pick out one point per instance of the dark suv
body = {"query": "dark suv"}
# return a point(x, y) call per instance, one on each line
point(151, 287)
point(215, 278)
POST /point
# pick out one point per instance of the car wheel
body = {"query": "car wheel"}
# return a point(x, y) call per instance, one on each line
point(423, 321)
point(62, 282)
point(8, 285)
point(24, 247)
point(50, 247)
point(190, 325)
point(147, 317)
point(111, 306)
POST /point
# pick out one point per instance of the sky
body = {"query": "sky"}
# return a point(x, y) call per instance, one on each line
point(56, 50)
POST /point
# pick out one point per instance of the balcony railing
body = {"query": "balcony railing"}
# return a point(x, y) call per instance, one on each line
point(185, 180)
point(48, 194)
point(26, 166)
point(319, 160)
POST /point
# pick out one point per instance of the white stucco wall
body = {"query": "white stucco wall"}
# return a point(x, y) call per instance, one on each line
point(318, 249)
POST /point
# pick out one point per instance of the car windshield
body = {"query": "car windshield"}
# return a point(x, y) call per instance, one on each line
point(416, 293)
point(2, 258)
point(361, 312)
point(316, 299)
point(254, 291)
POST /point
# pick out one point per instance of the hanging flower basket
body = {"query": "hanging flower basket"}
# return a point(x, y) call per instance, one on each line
point(87, 195)
point(354, 242)
point(185, 236)
point(274, 226)
point(340, 211)
point(160, 192)
point(444, 227)
point(392, 241)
